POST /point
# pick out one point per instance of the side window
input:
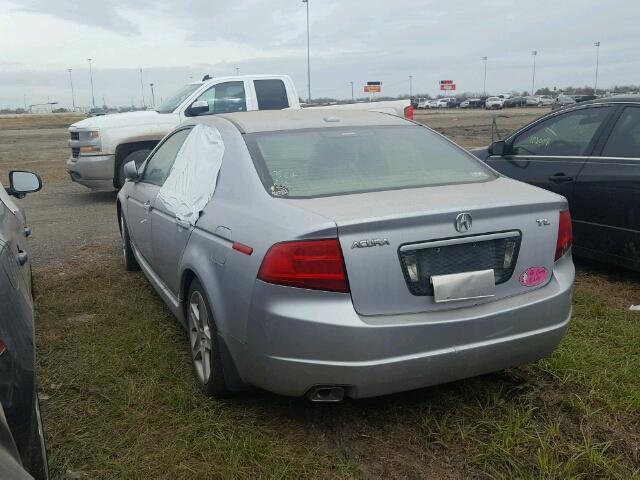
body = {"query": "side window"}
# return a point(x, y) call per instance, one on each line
point(225, 97)
point(158, 166)
point(272, 94)
point(568, 134)
point(625, 137)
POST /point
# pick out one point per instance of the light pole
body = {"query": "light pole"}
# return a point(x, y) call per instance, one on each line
point(410, 86)
point(73, 97)
point(142, 90)
point(353, 98)
point(308, 54)
point(484, 88)
point(237, 71)
point(595, 88)
point(93, 99)
point(533, 79)
point(153, 96)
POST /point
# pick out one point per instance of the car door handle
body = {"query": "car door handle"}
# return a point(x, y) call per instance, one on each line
point(560, 178)
point(147, 206)
point(22, 257)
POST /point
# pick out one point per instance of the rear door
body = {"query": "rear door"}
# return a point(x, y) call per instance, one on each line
point(142, 194)
point(606, 208)
point(551, 153)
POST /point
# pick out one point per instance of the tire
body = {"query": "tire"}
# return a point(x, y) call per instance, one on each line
point(129, 259)
point(204, 344)
point(139, 156)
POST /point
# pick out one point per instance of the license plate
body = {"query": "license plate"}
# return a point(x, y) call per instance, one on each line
point(463, 286)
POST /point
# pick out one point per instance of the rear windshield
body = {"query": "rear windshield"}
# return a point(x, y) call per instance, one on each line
point(339, 161)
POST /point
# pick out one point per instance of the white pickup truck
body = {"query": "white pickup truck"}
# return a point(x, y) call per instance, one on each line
point(101, 146)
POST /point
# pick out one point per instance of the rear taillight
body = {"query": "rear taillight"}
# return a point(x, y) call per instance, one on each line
point(408, 112)
point(314, 264)
point(565, 234)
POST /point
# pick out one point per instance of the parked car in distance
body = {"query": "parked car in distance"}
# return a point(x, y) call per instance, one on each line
point(515, 102)
point(493, 103)
point(532, 101)
point(432, 104)
point(448, 102)
point(583, 98)
point(96, 112)
point(472, 103)
point(424, 102)
point(344, 254)
point(562, 101)
point(544, 100)
point(590, 154)
point(18, 393)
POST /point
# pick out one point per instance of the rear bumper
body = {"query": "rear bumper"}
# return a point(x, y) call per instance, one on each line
point(296, 341)
point(93, 171)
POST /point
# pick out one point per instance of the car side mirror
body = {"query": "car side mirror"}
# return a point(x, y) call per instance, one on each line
point(197, 108)
point(22, 182)
point(131, 171)
point(497, 148)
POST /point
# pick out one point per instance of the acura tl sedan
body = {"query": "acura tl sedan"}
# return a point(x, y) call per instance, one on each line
point(334, 253)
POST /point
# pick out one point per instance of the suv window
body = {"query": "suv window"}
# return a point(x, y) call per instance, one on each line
point(272, 94)
point(225, 97)
point(625, 138)
point(568, 134)
point(158, 166)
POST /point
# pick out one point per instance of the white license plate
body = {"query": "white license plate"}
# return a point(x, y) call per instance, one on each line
point(463, 286)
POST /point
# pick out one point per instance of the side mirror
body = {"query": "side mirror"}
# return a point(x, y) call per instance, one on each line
point(131, 171)
point(497, 148)
point(22, 182)
point(197, 108)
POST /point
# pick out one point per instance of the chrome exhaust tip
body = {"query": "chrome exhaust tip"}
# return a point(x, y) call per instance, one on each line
point(326, 394)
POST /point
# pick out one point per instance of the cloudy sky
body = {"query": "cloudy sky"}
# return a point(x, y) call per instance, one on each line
point(351, 40)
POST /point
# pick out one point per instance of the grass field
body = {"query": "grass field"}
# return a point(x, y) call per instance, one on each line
point(119, 400)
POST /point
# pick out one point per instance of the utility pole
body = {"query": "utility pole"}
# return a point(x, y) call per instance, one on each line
point(93, 99)
point(237, 71)
point(533, 79)
point(484, 88)
point(142, 90)
point(153, 96)
point(73, 97)
point(595, 88)
point(308, 54)
point(353, 98)
point(410, 86)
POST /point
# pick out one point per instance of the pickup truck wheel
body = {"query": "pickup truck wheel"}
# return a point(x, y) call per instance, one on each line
point(130, 262)
point(139, 156)
point(203, 343)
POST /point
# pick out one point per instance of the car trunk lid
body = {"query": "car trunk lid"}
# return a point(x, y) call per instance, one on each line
point(394, 242)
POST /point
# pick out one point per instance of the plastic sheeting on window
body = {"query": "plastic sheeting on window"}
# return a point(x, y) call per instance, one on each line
point(194, 175)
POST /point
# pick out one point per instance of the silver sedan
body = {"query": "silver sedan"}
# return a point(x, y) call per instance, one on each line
point(334, 253)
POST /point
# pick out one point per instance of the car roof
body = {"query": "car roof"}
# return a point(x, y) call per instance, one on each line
point(615, 99)
point(274, 120)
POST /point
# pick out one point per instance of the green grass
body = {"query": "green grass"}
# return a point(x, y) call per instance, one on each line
point(120, 402)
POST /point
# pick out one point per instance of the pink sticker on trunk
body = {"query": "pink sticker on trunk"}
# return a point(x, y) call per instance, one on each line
point(533, 276)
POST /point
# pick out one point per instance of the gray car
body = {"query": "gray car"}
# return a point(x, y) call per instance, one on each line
point(334, 254)
point(18, 394)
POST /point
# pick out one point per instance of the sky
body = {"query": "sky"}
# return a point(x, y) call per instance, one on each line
point(351, 41)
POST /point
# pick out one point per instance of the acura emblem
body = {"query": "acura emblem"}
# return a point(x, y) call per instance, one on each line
point(463, 222)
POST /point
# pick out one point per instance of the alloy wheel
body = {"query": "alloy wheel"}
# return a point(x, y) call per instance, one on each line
point(200, 337)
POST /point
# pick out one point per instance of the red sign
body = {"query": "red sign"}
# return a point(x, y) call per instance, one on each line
point(447, 86)
point(372, 88)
